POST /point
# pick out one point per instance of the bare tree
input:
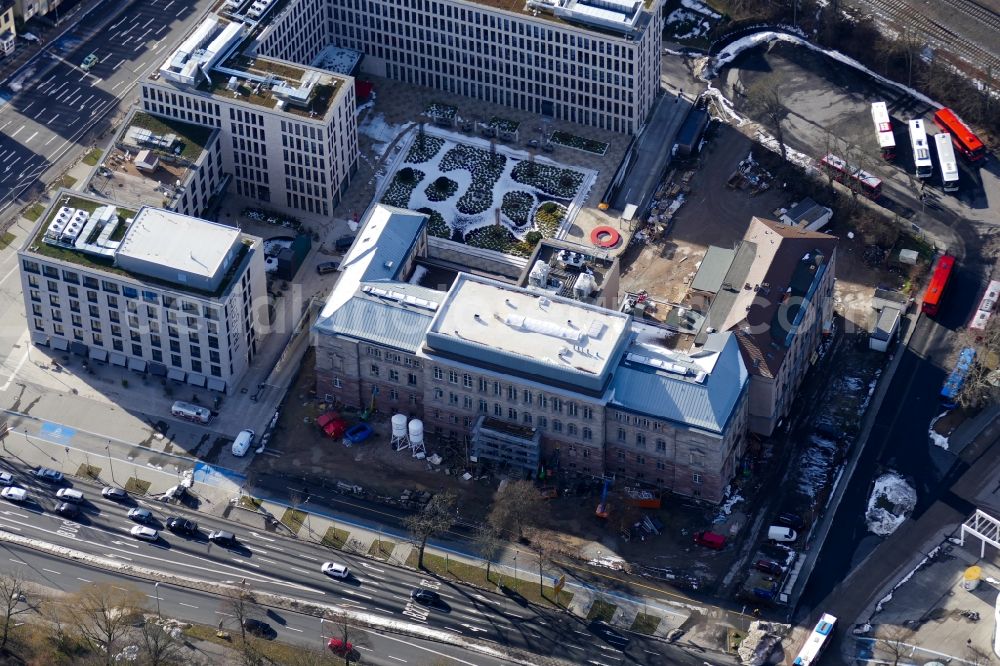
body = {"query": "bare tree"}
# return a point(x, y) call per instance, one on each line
point(488, 543)
point(893, 639)
point(766, 102)
point(436, 517)
point(12, 601)
point(516, 505)
point(102, 614)
point(159, 647)
point(240, 604)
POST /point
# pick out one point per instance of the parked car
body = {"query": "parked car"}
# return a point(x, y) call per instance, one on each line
point(116, 494)
point(781, 533)
point(242, 443)
point(710, 540)
point(358, 433)
point(180, 525)
point(769, 567)
point(14, 494)
point(70, 495)
point(48, 475)
point(340, 647)
point(425, 597)
point(67, 510)
point(343, 244)
point(144, 533)
point(6, 479)
point(327, 267)
point(789, 519)
point(334, 569)
point(222, 538)
point(141, 515)
point(259, 628)
point(89, 62)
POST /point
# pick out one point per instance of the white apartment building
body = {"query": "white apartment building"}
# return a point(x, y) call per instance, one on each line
point(592, 62)
point(151, 290)
point(289, 131)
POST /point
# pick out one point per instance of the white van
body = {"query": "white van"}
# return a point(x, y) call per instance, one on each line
point(70, 495)
point(242, 443)
point(14, 494)
point(185, 410)
point(781, 533)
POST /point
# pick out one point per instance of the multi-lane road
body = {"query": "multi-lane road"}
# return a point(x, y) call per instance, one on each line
point(271, 563)
point(50, 104)
point(200, 607)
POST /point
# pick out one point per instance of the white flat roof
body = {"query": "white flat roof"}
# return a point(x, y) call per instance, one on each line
point(185, 243)
point(565, 334)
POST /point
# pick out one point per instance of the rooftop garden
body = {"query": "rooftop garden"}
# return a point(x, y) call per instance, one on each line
point(194, 137)
point(462, 186)
point(579, 142)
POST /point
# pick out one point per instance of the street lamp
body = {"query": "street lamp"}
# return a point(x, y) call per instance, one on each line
point(515, 567)
point(156, 592)
point(111, 465)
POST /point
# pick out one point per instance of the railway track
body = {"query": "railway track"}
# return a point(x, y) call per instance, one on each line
point(941, 36)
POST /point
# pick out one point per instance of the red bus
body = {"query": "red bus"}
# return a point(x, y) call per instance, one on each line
point(853, 178)
point(939, 282)
point(965, 141)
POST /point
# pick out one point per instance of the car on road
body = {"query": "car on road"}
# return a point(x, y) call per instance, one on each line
point(789, 519)
point(242, 443)
point(140, 515)
point(608, 633)
point(327, 267)
point(14, 494)
point(70, 495)
point(116, 494)
point(259, 628)
point(89, 62)
point(769, 567)
point(6, 479)
point(343, 244)
point(222, 538)
point(145, 533)
point(48, 475)
point(358, 433)
point(340, 647)
point(335, 569)
point(425, 597)
point(180, 525)
point(67, 510)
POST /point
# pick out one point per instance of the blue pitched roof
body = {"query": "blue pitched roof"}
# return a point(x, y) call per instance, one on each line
point(369, 319)
point(639, 386)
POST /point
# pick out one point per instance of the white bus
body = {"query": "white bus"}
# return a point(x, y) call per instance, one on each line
point(818, 640)
point(946, 161)
point(921, 151)
point(883, 128)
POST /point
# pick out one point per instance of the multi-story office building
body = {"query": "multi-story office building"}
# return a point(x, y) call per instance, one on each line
point(149, 289)
point(173, 163)
point(289, 131)
point(774, 292)
point(521, 375)
point(593, 62)
point(8, 31)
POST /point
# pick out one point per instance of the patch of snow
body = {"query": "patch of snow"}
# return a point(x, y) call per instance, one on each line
point(891, 489)
point(274, 246)
point(696, 6)
point(418, 274)
point(680, 18)
point(815, 465)
point(936, 438)
point(732, 499)
point(375, 127)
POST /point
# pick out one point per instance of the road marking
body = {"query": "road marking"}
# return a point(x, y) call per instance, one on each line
point(293, 629)
point(27, 107)
point(221, 613)
point(181, 603)
point(306, 557)
point(649, 652)
point(261, 537)
point(236, 559)
point(577, 647)
point(356, 594)
point(58, 573)
point(396, 658)
point(84, 580)
point(457, 631)
point(126, 543)
point(368, 566)
point(153, 596)
point(606, 648)
point(585, 633)
point(14, 513)
point(301, 570)
point(17, 561)
point(28, 140)
point(257, 550)
point(51, 139)
point(16, 131)
point(265, 559)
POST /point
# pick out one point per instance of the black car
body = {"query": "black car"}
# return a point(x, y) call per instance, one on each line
point(179, 525)
point(425, 597)
point(793, 520)
point(327, 267)
point(67, 510)
point(344, 243)
point(259, 628)
point(115, 493)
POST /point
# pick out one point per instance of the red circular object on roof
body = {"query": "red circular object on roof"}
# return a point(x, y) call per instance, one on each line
point(605, 236)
